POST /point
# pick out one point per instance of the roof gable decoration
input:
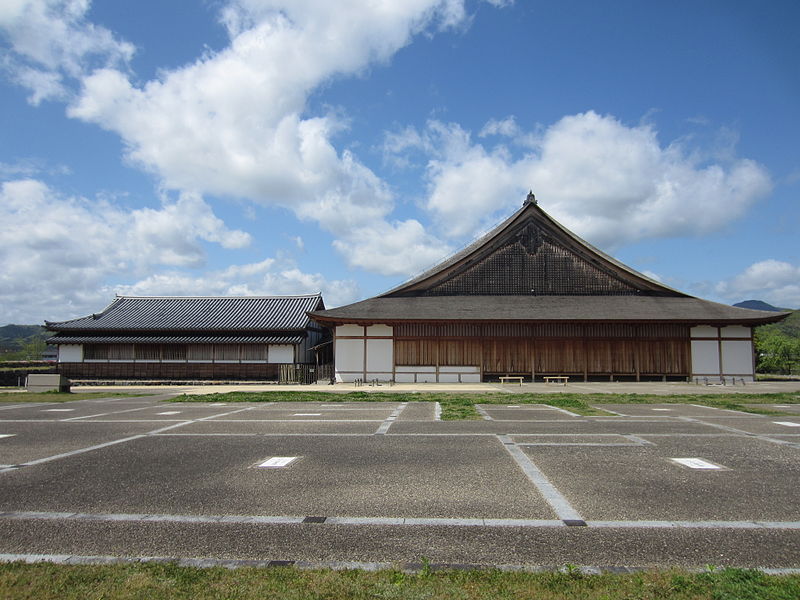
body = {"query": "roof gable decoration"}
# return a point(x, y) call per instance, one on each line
point(531, 254)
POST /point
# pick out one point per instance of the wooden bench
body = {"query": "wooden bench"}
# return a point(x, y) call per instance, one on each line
point(558, 379)
point(506, 378)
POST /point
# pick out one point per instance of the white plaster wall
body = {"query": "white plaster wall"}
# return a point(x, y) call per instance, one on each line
point(471, 377)
point(68, 353)
point(705, 357)
point(380, 330)
point(279, 354)
point(739, 331)
point(416, 369)
point(703, 331)
point(448, 377)
point(380, 355)
point(379, 375)
point(349, 357)
point(460, 369)
point(737, 358)
point(404, 377)
point(349, 330)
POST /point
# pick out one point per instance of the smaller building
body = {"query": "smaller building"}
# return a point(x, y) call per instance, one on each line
point(181, 338)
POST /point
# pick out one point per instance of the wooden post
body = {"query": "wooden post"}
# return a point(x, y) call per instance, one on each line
point(532, 354)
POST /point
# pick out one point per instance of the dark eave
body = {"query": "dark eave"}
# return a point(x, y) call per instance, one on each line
point(589, 309)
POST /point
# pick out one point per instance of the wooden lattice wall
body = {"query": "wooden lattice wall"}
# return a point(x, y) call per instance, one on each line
point(539, 349)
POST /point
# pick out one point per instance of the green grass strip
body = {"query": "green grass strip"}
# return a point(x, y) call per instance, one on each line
point(160, 581)
point(462, 406)
point(20, 397)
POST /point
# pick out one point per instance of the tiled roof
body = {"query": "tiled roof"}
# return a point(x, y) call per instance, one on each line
point(544, 308)
point(136, 313)
point(178, 339)
point(582, 255)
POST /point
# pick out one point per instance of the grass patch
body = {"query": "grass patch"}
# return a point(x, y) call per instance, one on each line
point(18, 397)
point(156, 581)
point(462, 406)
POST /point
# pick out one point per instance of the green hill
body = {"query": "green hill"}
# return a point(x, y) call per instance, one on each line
point(18, 341)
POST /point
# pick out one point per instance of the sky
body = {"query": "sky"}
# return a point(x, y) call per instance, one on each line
point(270, 147)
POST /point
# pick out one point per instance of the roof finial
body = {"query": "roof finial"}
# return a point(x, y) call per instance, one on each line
point(531, 199)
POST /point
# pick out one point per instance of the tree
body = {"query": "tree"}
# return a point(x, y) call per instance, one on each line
point(777, 353)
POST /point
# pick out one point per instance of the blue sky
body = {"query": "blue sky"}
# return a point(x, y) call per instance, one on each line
point(291, 146)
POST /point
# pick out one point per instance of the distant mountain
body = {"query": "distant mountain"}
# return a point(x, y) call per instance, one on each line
point(758, 305)
point(14, 337)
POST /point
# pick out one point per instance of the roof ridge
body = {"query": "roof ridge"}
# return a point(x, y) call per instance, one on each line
point(239, 297)
point(452, 257)
point(544, 226)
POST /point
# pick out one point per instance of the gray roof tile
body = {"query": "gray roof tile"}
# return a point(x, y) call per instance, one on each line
point(177, 339)
point(137, 313)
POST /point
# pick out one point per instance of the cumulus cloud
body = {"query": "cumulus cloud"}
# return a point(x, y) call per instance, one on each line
point(234, 123)
point(773, 281)
point(60, 254)
point(402, 248)
point(610, 182)
point(505, 127)
point(270, 277)
point(59, 249)
point(52, 41)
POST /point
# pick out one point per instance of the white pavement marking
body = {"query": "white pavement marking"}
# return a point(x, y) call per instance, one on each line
point(787, 423)
point(307, 415)
point(277, 462)
point(58, 410)
point(557, 502)
point(17, 406)
point(742, 432)
point(112, 443)
point(697, 463)
point(46, 459)
point(114, 412)
point(608, 410)
point(390, 419)
point(437, 412)
point(5, 435)
point(564, 410)
point(170, 412)
point(482, 412)
point(637, 439)
point(697, 524)
point(387, 521)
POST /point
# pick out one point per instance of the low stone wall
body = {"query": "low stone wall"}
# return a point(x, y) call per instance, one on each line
point(16, 377)
point(171, 371)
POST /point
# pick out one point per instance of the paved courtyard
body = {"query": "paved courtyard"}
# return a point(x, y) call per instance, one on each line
point(389, 483)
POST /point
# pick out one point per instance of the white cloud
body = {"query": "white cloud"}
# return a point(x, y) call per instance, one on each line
point(609, 182)
point(51, 40)
point(505, 127)
point(773, 281)
point(270, 277)
point(58, 250)
point(234, 123)
point(402, 248)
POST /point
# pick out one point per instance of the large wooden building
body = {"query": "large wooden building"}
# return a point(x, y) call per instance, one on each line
point(190, 338)
point(532, 299)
